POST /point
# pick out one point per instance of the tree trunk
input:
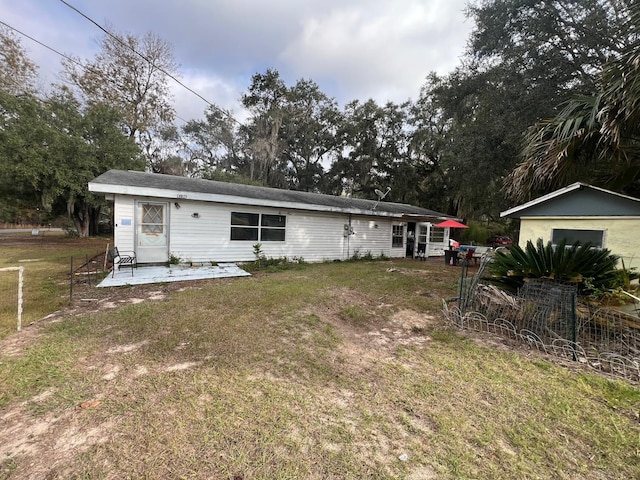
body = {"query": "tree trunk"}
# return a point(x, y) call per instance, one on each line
point(78, 210)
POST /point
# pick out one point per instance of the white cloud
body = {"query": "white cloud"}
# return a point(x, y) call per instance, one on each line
point(384, 52)
point(213, 88)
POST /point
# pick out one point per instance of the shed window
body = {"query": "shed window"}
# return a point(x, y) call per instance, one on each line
point(397, 236)
point(253, 226)
point(596, 237)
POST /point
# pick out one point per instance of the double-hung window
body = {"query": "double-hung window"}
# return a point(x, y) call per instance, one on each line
point(258, 227)
point(244, 226)
point(397, 236)
point(272, 228)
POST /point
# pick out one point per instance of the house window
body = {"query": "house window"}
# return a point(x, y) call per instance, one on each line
point(397, 236)
point(244, 226)
point(253, 226)
point(436, 235)
point(596, 237)
point(272, 228)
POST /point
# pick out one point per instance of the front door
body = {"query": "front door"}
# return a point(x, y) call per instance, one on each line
point(152, 239)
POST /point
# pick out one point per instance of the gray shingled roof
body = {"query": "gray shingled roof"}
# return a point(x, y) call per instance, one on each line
point(183, 184)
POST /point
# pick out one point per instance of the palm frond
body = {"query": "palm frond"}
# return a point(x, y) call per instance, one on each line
point(598, 134)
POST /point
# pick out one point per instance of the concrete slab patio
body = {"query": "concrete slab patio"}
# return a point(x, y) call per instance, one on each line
point(172, 273)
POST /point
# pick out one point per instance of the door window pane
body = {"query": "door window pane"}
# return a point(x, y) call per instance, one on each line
point(422, 234)
point(152, 219)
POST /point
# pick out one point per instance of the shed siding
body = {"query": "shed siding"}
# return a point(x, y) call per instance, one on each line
point(621, 235)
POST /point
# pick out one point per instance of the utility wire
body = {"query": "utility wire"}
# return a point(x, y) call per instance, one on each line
point(40, 43)
point(70, 59)
point(119, 40)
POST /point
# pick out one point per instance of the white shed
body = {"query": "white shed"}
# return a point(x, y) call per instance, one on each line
point(163, 216)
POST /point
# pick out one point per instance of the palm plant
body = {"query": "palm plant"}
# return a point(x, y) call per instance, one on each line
point(593, 138)
point(591, 269)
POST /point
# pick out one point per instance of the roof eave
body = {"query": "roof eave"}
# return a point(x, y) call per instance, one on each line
point(545, 198)
point(233, 200)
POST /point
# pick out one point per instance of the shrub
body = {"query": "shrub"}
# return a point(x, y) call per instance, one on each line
point(593, 270)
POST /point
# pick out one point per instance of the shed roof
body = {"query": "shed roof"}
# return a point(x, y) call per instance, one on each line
point(577, 200)
point(174, 187)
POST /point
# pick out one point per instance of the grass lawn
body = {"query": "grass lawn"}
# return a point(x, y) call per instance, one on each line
point(326, 371)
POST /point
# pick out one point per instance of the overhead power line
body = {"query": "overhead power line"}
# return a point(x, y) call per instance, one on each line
point(42, 44)
point(70, 59)
point(119, 40)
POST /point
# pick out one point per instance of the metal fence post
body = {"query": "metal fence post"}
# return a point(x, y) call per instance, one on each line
point(574, 332)
point(71, 281)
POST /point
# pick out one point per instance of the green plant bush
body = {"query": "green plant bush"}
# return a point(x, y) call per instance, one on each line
point(262, 262)
point(593, 270)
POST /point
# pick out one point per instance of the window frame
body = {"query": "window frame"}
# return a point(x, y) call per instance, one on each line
point(436, 238)
point(395, 236)
point(258, 227)
point(555, 240)
point(247, 230)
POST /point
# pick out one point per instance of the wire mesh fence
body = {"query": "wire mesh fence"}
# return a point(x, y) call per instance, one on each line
point(11, 293)
point(548, 315)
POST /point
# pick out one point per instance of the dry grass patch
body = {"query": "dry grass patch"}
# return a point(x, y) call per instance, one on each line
point(46, 284)
point(324, 371)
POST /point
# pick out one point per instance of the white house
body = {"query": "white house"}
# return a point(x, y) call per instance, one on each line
point(160, 216)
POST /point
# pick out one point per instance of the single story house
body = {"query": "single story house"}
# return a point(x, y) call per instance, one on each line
point(162, 216)
point(581, 212)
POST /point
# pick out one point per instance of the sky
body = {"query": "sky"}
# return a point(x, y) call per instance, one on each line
point(353, 49)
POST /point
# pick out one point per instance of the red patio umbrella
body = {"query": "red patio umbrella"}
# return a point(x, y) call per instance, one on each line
point(451, 224)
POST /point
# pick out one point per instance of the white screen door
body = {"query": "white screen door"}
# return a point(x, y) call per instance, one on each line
point(152, 241)
point(422, 239)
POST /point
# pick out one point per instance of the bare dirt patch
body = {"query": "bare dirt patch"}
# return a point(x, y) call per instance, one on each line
point(73, 431)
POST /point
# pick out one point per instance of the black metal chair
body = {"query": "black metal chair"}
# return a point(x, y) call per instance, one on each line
point(125, 259)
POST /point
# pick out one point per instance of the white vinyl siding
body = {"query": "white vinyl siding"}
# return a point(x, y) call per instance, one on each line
point(124, 223)
point(201, 232)
point(314, 236)
point(372, 235)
